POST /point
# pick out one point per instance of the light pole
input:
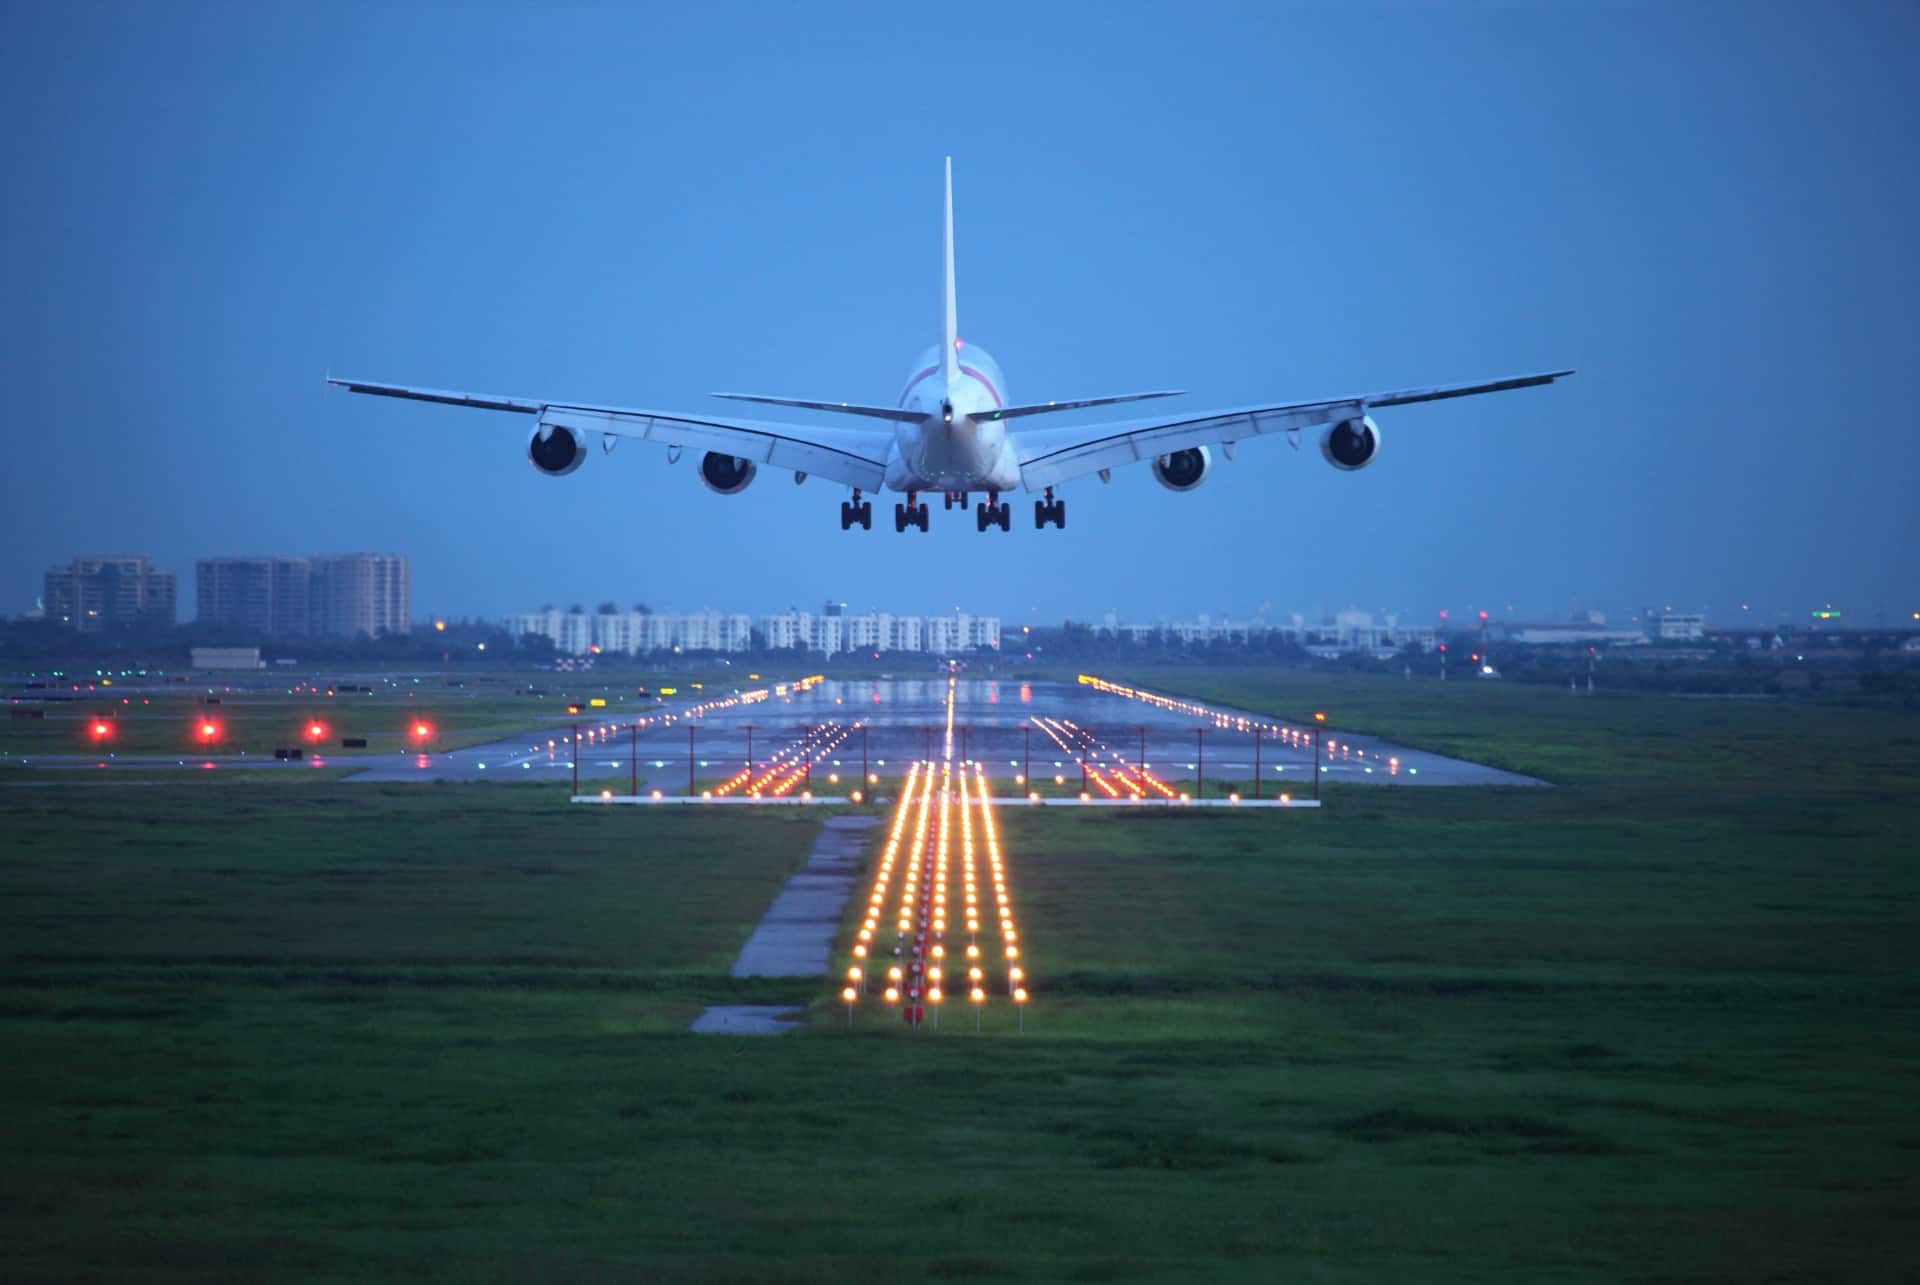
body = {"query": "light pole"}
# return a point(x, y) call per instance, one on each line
point(575, 756)
point(689, 760)
point(633, 757)
point(1256, 760)
point(1200, 771)
point(1319, 721)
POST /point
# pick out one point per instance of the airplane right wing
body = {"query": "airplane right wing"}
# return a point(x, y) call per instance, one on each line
point(856, 457)
point(1051, 456)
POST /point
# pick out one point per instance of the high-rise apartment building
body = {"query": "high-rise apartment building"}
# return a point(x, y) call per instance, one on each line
point(92, 594)
point(263, 597)
point(358, 594)
point(339, 596)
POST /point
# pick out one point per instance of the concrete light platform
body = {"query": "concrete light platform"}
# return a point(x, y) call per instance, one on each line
point(1012, 801)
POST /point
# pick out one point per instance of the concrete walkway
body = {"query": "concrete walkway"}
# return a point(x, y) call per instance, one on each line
point(795, 936)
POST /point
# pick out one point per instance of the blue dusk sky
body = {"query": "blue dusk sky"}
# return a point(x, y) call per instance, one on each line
point(1710, 210)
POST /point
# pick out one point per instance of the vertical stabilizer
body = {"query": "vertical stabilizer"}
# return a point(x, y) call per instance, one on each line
point(950, 313)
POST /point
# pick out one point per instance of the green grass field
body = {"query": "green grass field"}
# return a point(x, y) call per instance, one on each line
point(1657, 1024)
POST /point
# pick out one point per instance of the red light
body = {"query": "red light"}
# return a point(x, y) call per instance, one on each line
point(316, 730)
point(209, 730)
point(422, 730)
point(101, 729)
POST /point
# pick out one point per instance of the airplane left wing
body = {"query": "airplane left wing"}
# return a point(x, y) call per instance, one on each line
point(1049, 457)
point(855, 457)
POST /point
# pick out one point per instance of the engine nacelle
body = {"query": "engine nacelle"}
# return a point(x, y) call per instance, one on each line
point(727, 474)
point(1183, 470)
point(1351, 444)
point(557, 451)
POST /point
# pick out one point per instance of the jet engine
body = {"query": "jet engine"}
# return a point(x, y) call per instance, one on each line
point(1182, 470)
point(727, 474)
point(1351, 444)
point(557, 451)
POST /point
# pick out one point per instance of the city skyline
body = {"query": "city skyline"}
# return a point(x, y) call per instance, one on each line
point(1887, 612)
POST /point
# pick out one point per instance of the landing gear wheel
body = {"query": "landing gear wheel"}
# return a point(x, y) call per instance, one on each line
point(1045, 511)
point(866, 515)
point(899, 517)
point(923, 517)
point(946, 500)
point(986, 515)
point(1040, 508)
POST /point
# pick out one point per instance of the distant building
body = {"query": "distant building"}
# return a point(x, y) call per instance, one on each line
point(828, 633)
point(336, 596)
point(267, 597)
point(1589, 630)
point(226, 658)
point(356, 594)
point(91, 594)
point(1678, 627)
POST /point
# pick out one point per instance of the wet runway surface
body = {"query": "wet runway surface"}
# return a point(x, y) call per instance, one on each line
point(1007, 725)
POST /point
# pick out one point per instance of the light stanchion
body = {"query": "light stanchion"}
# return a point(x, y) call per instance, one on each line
point(979, 998)
point(934, 996)
point(849, 996)
point(1019, 1007)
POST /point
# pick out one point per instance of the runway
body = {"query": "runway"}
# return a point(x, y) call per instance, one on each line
point(1010, 727)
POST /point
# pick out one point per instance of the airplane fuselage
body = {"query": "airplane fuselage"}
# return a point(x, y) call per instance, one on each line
point(954, 447)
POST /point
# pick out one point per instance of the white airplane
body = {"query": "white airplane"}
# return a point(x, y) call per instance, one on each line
point(950, 432)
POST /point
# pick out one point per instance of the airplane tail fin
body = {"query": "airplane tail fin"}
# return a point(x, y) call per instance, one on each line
point(950, 315)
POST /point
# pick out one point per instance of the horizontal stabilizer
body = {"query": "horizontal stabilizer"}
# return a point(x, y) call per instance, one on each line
point(838, 408)
point(1043, 408)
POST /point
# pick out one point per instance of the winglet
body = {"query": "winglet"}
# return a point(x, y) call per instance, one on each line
point(950, 327)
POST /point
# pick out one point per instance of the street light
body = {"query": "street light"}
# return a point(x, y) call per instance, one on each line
point(1319, 721)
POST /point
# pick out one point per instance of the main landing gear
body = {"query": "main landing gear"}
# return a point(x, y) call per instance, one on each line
point(856, 511)
point(1049, 510)
point(954, 499)
point(993, 513)
point(910, 514)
